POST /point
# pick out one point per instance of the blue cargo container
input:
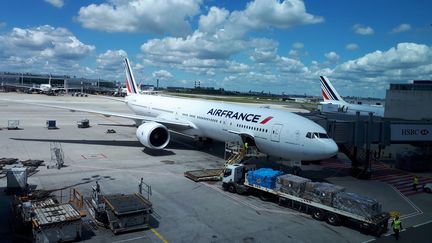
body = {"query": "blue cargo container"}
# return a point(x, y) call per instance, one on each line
point(264, 177)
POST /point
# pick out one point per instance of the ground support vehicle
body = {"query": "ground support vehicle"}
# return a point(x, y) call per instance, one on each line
point(236, 180)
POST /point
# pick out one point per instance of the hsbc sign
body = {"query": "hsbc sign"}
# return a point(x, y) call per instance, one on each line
point(411, 132)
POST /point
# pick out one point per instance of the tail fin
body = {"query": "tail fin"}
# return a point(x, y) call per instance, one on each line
point(329, 93)
point(131, 86)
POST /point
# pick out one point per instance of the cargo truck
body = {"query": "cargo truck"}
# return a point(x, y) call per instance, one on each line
point(323, 201)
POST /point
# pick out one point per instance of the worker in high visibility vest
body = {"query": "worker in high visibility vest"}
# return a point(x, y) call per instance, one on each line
point(397, 226)
point(415, 183)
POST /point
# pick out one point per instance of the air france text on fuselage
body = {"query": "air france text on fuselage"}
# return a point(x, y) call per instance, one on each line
point(238, 115)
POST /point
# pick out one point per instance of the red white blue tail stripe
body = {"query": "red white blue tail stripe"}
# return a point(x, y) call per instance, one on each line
point(131, 86)
point(328, 91)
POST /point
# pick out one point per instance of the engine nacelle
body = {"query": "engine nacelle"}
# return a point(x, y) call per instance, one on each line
point(153, 135)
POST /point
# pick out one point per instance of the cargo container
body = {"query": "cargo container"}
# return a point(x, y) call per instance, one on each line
point(323, 201)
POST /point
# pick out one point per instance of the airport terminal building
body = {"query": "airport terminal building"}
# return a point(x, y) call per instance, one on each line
point(74, 84)
point(409, 101)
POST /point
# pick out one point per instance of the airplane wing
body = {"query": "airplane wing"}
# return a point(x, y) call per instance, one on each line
point(135, 117)
point(21, 86)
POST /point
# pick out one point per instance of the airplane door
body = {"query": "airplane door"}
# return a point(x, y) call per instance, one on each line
point(275, 133)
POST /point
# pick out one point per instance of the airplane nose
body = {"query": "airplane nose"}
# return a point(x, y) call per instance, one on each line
point(331, 148)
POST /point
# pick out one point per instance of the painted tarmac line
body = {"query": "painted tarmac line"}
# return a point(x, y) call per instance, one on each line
point(417, 209)
point(418, 225)
point(130, 239)
point(158, 235)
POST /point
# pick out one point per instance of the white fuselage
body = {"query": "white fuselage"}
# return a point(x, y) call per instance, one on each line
point(275, 132)
point(349, 108)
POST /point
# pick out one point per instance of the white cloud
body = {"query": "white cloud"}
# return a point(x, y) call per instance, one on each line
point(363, 30)
point(403, 56)
point(162, 74)
point(265, 50)
point(332, 56)
point(298, 45)
point(214, 20)
point(222, 34)
point(111, 60)
point(289, 65)
point(351, 47)
point(401, 28)
point(56, 3)
point(261, 14)
point(402, 63)
point(144, 16)
point(43, 47)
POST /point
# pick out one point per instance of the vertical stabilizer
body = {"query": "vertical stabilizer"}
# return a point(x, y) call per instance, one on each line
point(329, 93)
point(131, 86)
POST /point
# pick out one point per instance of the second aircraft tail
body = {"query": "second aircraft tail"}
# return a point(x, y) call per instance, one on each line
point(329, 93)
point(131, 87)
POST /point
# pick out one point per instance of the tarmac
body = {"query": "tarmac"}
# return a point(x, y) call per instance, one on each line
point(185, 211)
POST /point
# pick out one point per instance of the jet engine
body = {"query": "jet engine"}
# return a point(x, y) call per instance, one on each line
point(153, 135)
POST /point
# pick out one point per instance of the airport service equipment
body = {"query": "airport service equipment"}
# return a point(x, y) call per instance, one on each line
point(121, 212)
point(47, 219)
point(323, 201)
point(17, 178)
point(56, 223)
point(13, 124)
point(83, 123)
point(51, 124)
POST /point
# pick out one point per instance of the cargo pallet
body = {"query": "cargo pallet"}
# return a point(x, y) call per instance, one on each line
point(204, 175)
point(236, 183)
point(237, 153)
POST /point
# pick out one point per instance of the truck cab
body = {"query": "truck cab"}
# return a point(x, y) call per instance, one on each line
point(233, 178)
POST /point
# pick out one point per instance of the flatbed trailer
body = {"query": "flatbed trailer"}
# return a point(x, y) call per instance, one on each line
point(377, 224)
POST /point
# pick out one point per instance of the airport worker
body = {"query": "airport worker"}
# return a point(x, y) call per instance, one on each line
point(246, 146)
point(397, 226)
point(415, 183)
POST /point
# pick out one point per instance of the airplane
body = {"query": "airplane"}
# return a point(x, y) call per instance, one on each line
point(331, 96)
point(42, 88)
point(277, 133)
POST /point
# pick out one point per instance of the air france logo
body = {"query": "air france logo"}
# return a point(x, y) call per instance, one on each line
point(239, 115)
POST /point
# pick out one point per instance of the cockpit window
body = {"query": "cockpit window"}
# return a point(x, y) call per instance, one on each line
point(323, 135)
point(316, 135)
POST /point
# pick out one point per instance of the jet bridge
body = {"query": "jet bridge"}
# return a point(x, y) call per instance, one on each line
point(356, 134)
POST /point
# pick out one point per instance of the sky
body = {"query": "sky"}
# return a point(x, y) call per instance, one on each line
point(261, 45)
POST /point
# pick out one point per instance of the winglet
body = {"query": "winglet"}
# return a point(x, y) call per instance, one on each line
point(329, 93)
point(131, 86)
